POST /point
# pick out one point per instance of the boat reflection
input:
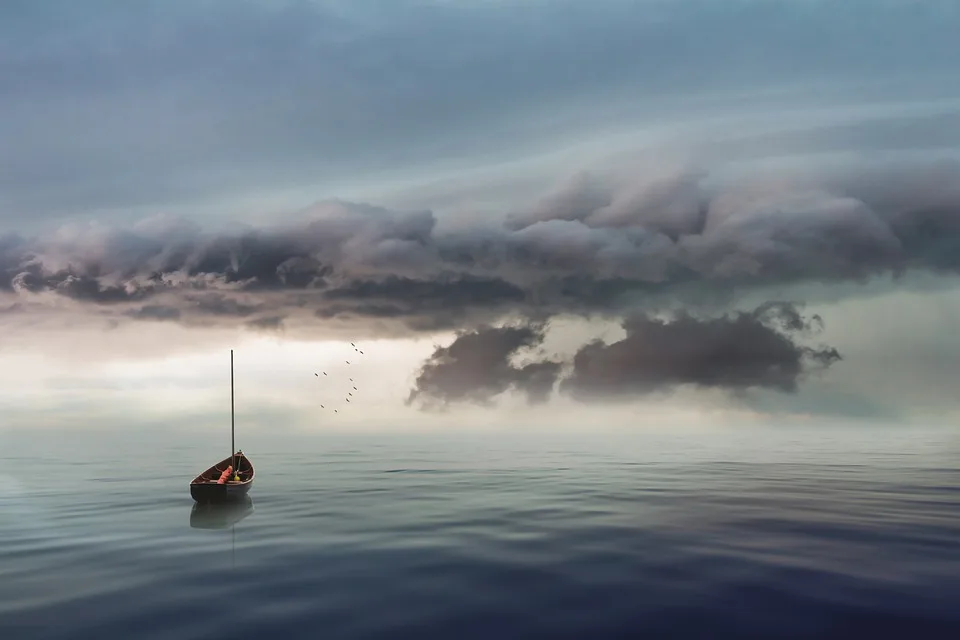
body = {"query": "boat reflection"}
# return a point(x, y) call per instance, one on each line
point(220, 515)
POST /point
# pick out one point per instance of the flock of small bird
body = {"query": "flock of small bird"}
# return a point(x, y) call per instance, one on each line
point(352, 383)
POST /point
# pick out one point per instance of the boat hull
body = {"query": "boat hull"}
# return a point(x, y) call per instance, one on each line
point(219, 492)
point(205, 489)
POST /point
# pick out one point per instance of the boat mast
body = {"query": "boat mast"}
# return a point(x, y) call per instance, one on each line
point(233, 448)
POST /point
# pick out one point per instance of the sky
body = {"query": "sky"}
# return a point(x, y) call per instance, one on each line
point(553, 213)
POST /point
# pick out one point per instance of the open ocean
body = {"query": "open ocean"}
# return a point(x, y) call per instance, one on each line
point(753, 533)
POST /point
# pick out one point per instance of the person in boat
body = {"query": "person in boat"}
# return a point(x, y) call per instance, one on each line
point(225, 474)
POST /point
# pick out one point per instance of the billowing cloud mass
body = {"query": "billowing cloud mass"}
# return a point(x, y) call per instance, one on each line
point(477, 366)
point(759, 349)
point(595, 246)
point(756, 349)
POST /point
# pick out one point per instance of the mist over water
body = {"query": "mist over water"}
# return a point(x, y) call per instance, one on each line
point(742, 532)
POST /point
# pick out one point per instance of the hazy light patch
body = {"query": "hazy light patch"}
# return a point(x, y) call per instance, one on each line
point(269, 372)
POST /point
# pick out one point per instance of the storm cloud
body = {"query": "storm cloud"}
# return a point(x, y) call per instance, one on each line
point(758, 349)
point(477, 366)
point(597, 245)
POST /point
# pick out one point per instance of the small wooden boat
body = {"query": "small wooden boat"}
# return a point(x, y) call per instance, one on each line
point(214, 485)
point(206, 488)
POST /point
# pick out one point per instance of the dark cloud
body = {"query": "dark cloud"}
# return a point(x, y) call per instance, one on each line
point(758, 349)
point(477, 366)
point(595, 246)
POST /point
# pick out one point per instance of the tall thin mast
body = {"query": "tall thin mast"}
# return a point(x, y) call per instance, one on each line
point(233, 448)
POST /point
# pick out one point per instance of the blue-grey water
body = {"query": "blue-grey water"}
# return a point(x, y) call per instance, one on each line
point(754, 532)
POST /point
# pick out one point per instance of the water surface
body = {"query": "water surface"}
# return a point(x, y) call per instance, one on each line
point(743, 533)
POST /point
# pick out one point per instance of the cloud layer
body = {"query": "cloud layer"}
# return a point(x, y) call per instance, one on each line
point(759, 349)
point(596, 245)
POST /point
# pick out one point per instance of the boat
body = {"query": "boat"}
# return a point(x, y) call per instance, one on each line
point(215, 485)
point(207, 488)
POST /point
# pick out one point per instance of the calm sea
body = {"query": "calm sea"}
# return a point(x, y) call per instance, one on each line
point(765, 533)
